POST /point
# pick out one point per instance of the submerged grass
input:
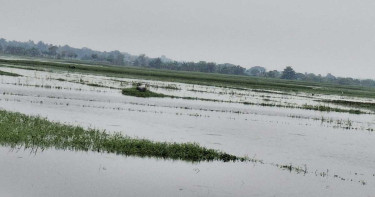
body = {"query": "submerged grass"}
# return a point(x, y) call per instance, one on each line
point(9, 74)
point(18, 130)
point(321, 108)
point(330, 109)
point(357, 104)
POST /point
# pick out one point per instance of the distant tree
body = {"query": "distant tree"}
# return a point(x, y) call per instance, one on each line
point(94, 56)
point(33, 52)
point(71, 55)
point(211, 67)
point(63, 54)
point(52, 50)
point(273, 74)
point(141, 61)
point(156, 63)
point(368, 82)
point(348, 81)
point(201, 66)
point(300, 76)
point(288, 73)
point(110, 58)
point(42, 47)
point(118, 58)
point(3, 42)
point(15, 50)
point(256, 71)
point(330, 78)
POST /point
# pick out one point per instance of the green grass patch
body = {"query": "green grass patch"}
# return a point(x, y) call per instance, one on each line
point(19, 130)
point(9, 74)
point(134, 92)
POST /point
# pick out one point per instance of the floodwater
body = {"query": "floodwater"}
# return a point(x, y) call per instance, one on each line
point(335, 148)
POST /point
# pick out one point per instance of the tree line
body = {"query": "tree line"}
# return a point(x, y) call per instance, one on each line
point(290, 74)
point(41, 49)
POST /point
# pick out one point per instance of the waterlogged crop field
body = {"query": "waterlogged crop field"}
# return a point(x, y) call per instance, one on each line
point(289, 143)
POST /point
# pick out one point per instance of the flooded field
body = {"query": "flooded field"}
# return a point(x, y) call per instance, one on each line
point(332, 149)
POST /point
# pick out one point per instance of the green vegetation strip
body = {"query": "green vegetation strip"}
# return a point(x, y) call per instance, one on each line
point(9, 74)
point(329, 109)
point(357, 104)
point(212, 79)
point(321, 108)
point(38, 133)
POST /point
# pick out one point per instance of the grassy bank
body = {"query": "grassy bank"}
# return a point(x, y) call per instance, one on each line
point(18, 130)
point(234, 81)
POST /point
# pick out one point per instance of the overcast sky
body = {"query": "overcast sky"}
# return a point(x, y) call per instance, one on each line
point(319, 36)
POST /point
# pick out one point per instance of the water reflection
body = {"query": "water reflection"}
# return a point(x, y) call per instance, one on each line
point(65, 173)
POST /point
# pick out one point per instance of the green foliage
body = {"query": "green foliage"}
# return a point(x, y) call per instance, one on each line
point(256, 71)
point(288, 73)
point(18, 130)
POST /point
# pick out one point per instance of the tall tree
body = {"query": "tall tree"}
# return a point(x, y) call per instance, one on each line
point(288, 73)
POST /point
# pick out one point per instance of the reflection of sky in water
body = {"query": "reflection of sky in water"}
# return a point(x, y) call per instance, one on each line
point(60, 173)
point(268, 133)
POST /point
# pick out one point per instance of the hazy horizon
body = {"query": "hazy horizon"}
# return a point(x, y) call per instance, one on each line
point(319, 37)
